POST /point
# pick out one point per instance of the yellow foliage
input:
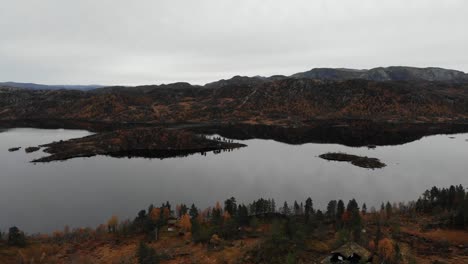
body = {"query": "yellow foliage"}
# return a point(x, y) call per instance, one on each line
point(112, 223)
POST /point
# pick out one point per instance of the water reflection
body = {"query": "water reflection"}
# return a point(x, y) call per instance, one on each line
point(349, 133)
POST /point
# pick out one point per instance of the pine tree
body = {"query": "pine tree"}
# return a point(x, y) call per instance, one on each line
point(296, 208)
point(340, 209)
point(331, 209)
point(309, 209)
point(285, 210)
point(193, 212)
point(364, 209)
point(230, 206)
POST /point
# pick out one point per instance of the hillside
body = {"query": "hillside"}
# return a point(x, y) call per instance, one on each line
point(283, 102)
point(427, 231)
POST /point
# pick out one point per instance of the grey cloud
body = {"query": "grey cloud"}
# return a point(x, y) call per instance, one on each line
point(150, 41)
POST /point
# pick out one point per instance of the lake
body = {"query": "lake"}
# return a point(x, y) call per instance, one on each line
point(86, 191)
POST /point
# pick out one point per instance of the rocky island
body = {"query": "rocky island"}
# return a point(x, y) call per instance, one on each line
point(136, 142)
point(363, 162)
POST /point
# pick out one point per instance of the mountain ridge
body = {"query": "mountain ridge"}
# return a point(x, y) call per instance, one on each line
point(391, 73)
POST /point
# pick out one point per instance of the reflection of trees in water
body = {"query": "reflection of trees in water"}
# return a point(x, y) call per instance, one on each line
point(356, 133)
point(164, 154)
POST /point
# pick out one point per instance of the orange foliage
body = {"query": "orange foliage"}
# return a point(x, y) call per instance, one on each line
point(185, 223)
point(386, 250)
point(155, 214)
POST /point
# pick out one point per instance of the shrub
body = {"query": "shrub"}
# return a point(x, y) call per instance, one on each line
point(146, 254)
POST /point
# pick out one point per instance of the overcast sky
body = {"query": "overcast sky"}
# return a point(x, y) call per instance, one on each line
point(153, 41)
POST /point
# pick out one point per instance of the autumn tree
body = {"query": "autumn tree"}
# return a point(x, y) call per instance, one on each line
point(112, 224)
point(155, 215)
point(185, 223)
point(166, 213)
point(386, 250)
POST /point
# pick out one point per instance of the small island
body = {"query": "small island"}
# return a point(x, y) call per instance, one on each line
point(31, 149)
point(14, 149)
point(363, 162)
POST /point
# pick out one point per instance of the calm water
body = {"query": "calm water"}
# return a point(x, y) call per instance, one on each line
point(87, 191)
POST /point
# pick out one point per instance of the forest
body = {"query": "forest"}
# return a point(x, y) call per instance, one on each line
point(432, 229)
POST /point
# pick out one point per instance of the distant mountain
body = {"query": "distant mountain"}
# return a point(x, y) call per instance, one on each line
point(394, 73)
point(34, 86)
